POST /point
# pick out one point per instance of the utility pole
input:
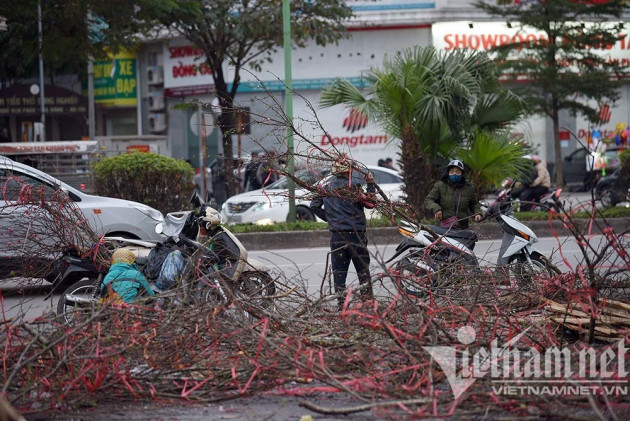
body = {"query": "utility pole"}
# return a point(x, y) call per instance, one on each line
point(288, 102)
point(41, 70)
point(91, 112)
point(201, 136)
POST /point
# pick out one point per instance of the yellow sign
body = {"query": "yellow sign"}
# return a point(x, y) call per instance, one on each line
point(115, 82)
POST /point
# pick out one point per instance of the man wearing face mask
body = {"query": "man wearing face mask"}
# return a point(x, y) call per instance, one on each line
point(452, 199)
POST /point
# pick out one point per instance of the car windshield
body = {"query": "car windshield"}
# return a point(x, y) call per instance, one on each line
point(307, 176)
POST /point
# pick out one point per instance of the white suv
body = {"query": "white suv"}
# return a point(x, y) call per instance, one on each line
point(106, 216)
point(272, 203)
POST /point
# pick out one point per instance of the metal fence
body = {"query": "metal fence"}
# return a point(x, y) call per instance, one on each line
point(72, 161)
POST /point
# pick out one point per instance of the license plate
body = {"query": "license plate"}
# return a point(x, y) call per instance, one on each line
point(235, 219)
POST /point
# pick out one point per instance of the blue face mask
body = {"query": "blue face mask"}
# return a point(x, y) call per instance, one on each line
point(455, 178)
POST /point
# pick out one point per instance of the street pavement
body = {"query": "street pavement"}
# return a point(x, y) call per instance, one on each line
point(305, 267)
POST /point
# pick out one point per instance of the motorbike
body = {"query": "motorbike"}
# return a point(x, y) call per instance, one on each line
point(428, 252)
point(546, 202)
point(221, 265)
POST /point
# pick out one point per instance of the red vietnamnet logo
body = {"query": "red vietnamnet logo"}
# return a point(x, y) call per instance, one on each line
point(604, 113)
point(355, 121)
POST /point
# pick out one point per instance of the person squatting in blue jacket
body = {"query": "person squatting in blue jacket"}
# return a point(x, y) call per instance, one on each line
point(342, 204)
point(124, 277)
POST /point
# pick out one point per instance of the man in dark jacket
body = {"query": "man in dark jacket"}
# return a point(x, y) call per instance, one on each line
point(217, 166)
point(342, 205)
point(250, 174)
point(452, 199)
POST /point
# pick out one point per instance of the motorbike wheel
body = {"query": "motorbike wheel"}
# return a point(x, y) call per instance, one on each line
point(259, 286)
point(525, 273)
point(78, 300)
point(415, 279)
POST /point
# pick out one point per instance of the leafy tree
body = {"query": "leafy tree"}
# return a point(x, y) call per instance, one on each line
point(240, 33)
point(432, 101)
point(565, 69)
point(72, 30)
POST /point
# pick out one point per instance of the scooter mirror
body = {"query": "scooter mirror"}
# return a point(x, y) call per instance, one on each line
point(196, 200)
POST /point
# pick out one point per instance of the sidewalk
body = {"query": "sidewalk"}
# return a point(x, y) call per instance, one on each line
point(321, 238)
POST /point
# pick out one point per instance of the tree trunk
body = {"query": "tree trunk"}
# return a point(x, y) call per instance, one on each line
point(556, 141)
point(226, 124)
point(417, 171)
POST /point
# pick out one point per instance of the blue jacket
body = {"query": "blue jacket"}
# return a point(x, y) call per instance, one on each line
point(340, 213)
point(127, 281)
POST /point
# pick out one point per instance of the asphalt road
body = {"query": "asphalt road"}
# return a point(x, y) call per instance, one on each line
point(301, 266)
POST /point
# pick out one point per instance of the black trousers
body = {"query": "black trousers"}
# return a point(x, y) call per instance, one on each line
point(346, 247)
point(532, 194)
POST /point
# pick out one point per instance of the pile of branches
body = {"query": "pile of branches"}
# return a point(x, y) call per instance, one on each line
point(375, 351)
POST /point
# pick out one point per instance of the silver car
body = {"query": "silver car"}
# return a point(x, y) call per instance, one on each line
point(105, 215)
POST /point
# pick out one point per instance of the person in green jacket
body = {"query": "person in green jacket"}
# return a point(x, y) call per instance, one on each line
point(124, 277)
point(452, 199)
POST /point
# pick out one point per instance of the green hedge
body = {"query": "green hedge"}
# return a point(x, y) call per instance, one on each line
point(617, 212)
point(163, 183)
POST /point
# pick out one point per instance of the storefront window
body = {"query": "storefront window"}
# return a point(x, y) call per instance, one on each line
point(121, 126)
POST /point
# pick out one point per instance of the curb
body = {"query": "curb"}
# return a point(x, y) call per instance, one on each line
point(389, 235)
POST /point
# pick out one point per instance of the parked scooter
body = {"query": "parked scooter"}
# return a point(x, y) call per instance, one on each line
point(431, 250)
point(220, 264)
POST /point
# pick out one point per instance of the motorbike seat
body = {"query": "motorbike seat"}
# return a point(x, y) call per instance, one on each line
point(468, 237)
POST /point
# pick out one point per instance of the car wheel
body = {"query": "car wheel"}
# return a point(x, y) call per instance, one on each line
point(608, 197)
point(303, 214)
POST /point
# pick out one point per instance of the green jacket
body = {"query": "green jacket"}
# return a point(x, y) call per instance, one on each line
point(444, 196)
point(127, 281)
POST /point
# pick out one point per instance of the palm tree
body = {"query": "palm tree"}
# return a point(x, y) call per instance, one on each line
point(491, 157)
point(431, 101)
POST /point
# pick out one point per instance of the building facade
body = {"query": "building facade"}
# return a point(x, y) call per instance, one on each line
point(156, 91)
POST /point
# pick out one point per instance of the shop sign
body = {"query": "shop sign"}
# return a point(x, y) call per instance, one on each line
point(18, 100)
point(185, 65)
point(138, 148)
point(381, 5)
point(115, 82)
point(484, 36)
point(23, 148)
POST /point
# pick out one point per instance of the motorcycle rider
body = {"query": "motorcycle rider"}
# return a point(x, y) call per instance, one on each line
point(538, 187)
point(341, 203)
point(452, 199)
